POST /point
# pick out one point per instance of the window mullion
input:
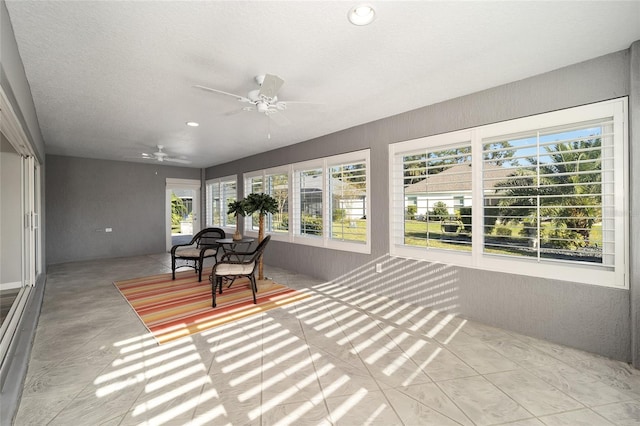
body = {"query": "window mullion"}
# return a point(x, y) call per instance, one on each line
point(326, 204)
point(477, 189)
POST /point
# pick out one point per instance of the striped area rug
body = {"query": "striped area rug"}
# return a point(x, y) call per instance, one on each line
point(174, 309)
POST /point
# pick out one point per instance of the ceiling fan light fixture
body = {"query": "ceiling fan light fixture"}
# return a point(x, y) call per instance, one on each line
point(363, 14)
point(262, 107)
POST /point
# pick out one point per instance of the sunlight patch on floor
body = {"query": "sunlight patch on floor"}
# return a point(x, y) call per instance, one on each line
point(455, 332)
point(346, 406)
point(171, 394)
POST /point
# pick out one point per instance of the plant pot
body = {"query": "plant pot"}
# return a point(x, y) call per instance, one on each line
point(237, 236)
point(265, 284)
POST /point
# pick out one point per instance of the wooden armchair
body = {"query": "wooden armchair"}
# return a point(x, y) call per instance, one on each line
point(236, 264)
point(203, 245)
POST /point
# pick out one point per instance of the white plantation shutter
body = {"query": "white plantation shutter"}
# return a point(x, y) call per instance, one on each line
point(548, 195)
point(210, 198)
point(348, 201)
point(253, 185)
point(437, 195)
point(308, 208)
point(559, 188)
point(220, 192)
point(228, 194)
point(277, 185)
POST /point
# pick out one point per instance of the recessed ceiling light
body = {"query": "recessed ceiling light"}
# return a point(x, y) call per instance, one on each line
point(192, 124)
point(363, 14)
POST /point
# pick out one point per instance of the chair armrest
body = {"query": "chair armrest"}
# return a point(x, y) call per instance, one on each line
point(174, 248)
point(204, 249)
point(232, 262)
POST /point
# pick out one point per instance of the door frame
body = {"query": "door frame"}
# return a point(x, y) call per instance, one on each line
point(172, 184)
point(30, 243)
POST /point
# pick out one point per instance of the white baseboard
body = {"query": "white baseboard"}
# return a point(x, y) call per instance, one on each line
point(10, 286)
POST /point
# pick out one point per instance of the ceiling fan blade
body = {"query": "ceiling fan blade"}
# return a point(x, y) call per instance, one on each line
point(301, 102)
point(222, 92)
point(177, 160)
point(279, 118)
point(270, 86)
point(234, 112)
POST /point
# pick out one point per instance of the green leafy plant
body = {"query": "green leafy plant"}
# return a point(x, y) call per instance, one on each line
point(262, 204)
point(311, 225)
point(411, 211)
point(503, 231)
point(339, 215)
point(440, 211)
point(178, 211)
point(237, 208)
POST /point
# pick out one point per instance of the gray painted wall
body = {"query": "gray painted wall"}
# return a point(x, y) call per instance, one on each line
point(15, 84)
point(85, 196)
point(592, 318)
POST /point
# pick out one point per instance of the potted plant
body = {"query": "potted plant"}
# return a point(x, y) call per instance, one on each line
point(236, 208)
point(262, 204)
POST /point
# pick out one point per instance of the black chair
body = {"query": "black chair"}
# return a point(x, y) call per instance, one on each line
point(203, 245)
point(235, 264)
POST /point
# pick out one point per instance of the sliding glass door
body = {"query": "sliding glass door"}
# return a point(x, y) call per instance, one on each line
point(20, 246)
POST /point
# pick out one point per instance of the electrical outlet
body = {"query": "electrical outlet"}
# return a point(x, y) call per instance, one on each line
point(378, 267)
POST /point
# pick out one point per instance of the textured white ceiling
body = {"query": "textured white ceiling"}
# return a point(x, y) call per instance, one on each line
point(112, 79)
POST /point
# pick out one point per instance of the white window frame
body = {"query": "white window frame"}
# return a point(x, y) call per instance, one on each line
point(263, 174)
point(397, 205)
point(294, 236)
point(354, 157)
point(294, 219)
point(248, 189)
point(616, 277)
point(208, 210)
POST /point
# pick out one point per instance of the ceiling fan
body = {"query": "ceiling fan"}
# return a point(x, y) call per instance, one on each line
point(161, 156)
point(264, 99)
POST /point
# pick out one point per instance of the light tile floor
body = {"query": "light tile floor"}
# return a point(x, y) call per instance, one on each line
point(338, 358)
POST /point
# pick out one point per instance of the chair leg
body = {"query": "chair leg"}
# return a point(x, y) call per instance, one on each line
point(173, 267)
point(214, 282)
point(253, 288)
point(199, 270)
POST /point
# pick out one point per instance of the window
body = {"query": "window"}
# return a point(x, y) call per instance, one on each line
point(309, 209)
point(542, 195)
point(220, 192)
point(551, 203)
point(322, 202)
point(275, 183)
point(436, 181)
point(348, 198)
point(254, 186)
